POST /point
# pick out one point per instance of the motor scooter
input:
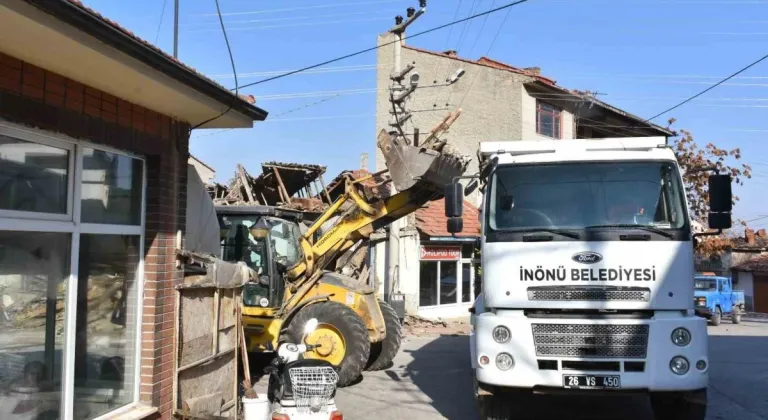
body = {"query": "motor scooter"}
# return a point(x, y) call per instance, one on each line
point(302, 388)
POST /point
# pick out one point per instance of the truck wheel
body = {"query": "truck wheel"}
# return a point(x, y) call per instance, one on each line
point(341, 334)
point(717, 316)
point(736, 317)
point(384, 351)
point(679, 406)
point(499, 407)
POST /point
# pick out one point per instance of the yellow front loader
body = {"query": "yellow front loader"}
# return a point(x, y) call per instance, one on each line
point(297, 271)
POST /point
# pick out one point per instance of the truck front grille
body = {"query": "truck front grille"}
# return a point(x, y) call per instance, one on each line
point(584, 340)
point(557, 293)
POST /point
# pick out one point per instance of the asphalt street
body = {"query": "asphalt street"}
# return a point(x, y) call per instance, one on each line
point(431, 379)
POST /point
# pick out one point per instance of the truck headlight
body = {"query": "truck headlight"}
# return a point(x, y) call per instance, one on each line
point(679, 365)
point(501, 334)
point(504, 361)
point(681, 337)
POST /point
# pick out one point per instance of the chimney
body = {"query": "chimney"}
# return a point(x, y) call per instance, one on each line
point(450, 53)
point(761, 233)
point(749, 236)
point(536, 71)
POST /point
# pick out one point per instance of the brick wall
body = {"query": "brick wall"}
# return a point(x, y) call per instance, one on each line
point(38, 98)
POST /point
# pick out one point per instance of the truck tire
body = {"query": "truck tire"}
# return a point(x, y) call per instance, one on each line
point(736, 316)
point(500, 407)
point(717, 316)
point(679, 405)
point(345, 323)
point(384, 351)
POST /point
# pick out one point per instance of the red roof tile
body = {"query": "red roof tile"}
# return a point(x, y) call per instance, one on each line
point(431, 220)
point(757, 264)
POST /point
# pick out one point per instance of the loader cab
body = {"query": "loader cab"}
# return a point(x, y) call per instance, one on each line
point(266, 239)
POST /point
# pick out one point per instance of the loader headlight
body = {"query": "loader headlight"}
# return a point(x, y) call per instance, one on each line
point(501, 334)
point(679, 365)
point(681, 337)
point(504, 361)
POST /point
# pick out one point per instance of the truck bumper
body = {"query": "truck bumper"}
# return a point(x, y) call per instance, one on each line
point(702, 311)
point(528, 372)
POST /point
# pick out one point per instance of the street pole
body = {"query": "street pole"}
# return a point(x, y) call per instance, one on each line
point(175, 28)
point(397, 76)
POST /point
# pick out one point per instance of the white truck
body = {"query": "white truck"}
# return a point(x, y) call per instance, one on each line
point(587, 268)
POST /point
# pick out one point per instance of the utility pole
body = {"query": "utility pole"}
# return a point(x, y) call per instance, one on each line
point(398, 94)
point(175, 28)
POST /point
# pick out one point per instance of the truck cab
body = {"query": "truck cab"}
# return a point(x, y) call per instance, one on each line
point(714, 297)
point(587, 256)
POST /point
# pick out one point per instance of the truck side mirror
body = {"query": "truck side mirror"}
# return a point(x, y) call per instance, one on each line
point(454, 200)
point(455, 224)
point(720, 201)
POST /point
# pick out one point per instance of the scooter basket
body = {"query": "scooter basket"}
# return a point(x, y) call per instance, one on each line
point(312, 387)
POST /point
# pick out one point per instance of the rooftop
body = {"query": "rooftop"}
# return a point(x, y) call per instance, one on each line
point(75, 41)
point(431, 220)
point(757, 264)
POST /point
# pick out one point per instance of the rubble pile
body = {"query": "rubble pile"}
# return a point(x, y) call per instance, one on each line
point(416, 326)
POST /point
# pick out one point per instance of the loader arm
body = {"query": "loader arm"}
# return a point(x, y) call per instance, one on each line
point(419, 174)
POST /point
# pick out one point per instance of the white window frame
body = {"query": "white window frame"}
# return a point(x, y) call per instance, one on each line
point(69, 223)
point(459, 283)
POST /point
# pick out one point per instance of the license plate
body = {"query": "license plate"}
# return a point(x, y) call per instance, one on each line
point(591, 381)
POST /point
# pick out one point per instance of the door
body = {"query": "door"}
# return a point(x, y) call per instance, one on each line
point(760, 284)
point(726, 300)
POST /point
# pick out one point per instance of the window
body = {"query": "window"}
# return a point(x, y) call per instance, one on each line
point(548, 120)
point(446, 282)
point(428, 283)
point(71, 247)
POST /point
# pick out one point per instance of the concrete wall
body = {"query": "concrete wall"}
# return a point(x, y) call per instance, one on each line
point(495, 105)
point(205, 173)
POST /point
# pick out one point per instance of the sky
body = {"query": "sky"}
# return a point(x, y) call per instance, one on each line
point(640, 55)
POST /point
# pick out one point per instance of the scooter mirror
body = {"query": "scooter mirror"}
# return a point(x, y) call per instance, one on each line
point(310, 326)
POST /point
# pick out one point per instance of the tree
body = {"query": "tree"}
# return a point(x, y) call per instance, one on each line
point(690, 157)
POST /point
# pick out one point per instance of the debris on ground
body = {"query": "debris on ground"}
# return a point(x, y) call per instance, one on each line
point(416, 326)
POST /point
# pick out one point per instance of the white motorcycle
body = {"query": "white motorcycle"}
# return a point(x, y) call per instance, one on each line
point(301, 388)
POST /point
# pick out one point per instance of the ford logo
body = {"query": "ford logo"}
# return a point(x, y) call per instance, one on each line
point(587, 257)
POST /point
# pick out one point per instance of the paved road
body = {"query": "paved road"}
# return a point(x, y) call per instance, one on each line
point(430, 379)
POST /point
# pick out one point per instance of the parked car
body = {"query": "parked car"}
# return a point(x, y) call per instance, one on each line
point(714, 296)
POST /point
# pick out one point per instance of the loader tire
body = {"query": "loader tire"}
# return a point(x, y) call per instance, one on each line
point(385, 350)
point(349, 326)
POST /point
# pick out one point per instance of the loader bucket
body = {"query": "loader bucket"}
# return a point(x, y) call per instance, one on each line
point(413, 167)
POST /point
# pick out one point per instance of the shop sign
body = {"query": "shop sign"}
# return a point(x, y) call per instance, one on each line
point(440, 253)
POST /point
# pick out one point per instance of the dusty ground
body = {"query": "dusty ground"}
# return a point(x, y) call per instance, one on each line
point(430, 379)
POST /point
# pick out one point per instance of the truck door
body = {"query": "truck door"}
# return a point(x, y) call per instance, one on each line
point(726, 300)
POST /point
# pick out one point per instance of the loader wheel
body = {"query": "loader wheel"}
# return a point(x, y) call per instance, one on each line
point(341, 334)
point(385, 350)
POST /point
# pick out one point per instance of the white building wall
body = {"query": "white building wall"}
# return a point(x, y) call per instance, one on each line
point(746, 283)
point(528, 123)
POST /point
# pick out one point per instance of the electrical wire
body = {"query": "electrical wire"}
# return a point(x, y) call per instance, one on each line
point(742, 70)
point(290, 18)
point(236, 96)
point(493, 41)
point(448, 39)
point(293, 9)
point(160, 24)
point(354, 54)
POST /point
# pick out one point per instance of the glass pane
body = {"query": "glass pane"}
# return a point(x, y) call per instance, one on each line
point(111, 188)
point(34, 268)
point(466, 282)
point(546, 124)
point(285, 240)
point(33, 177)
point(106, 324)
point(467, 251)
point(428, 283)
point(448, 283)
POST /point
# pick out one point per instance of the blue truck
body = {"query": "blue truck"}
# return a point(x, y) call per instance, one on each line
point(714, 297)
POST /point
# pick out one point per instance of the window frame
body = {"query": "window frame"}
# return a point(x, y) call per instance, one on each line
point(70, 223)
point(557, 114)
point(459, 283)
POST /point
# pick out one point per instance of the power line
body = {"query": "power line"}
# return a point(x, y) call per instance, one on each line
point(493, 41)
point(293, 25)
point(293, 9)
point(289, 18)
point(234, 72)
point(160, 24)
point(448, 39)
point(344, 57)
point(338, 69)
point(742, 70)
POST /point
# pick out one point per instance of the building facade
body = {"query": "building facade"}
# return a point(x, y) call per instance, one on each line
point(498, 102)
point(94, 137)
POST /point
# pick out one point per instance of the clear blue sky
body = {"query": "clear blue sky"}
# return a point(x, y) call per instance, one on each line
point(645, 55)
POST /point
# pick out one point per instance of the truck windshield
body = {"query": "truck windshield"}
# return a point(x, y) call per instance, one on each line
point(587, 195)
point(705, 284)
